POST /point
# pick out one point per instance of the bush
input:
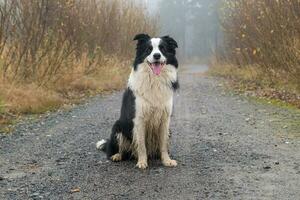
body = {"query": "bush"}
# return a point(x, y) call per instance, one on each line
point(54, 52)
point(41, 40)
point(264, 33)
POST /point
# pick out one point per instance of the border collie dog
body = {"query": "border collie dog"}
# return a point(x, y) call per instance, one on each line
point(142, 130)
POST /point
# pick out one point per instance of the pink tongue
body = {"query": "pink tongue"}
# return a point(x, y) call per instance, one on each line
point(156, 68)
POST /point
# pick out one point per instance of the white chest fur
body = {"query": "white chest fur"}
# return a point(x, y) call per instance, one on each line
point(151, 89)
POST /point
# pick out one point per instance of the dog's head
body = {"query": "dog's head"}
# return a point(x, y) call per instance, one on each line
point(155, 52)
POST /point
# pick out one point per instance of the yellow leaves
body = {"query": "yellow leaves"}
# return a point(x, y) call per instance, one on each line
point(255, 51)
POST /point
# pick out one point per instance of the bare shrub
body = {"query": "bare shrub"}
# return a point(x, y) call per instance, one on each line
point(40, 40)
point(264, 33)
point(54, 52)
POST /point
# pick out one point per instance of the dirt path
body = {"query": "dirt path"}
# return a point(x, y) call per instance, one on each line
point(227, 147)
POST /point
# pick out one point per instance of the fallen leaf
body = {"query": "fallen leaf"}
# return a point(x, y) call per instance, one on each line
point(75, 190)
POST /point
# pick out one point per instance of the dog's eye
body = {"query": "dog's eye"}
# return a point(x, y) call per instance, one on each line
point(149, 50)
point(161, 47)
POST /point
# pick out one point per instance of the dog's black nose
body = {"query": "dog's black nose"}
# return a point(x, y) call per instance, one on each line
point(156, 56)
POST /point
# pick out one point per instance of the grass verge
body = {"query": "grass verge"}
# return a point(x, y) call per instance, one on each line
point(252, 81)
point(17, 100)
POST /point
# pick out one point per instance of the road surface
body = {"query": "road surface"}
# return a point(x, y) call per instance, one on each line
point(227, 147)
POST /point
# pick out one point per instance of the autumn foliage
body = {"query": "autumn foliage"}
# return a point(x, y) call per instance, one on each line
point(55, 50)
point(41, 39)
point(264, 33)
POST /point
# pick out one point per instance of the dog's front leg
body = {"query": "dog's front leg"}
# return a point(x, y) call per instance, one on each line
point(164, 143)
point(139, 134)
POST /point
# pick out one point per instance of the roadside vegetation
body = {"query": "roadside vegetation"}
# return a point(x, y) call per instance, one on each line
point(261, 55)
point(55, 52)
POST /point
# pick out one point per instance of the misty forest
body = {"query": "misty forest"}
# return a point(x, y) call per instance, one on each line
point(194, 23)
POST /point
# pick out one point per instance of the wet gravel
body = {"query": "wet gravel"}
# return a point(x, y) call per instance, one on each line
point(227, 147)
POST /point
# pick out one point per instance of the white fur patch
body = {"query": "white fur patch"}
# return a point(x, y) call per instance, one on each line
point(100, 144)
point(155, 44)
point(154, 90)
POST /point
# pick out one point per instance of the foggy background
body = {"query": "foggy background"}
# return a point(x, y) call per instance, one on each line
point(193, 23)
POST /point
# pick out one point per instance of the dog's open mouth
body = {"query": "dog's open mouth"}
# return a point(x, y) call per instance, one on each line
point(156, 67)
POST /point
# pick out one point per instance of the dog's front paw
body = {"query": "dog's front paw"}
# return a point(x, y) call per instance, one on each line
point(142, 164)
point(169, 163)
point(116, 158)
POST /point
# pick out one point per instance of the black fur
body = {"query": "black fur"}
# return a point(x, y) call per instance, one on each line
point(127, 114)
point(124, 124)
point(175, 85)
point(143, 49)
point(168, 48)
point(111, 147)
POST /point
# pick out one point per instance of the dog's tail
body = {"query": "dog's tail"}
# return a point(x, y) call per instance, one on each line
point(110, 146)
point(102, 145)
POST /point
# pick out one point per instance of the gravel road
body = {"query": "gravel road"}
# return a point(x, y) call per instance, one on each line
point(227, 147)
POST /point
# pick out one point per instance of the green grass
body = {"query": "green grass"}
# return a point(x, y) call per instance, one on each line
point(275, 102)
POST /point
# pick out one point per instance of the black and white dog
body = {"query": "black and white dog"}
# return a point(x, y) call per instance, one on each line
point(143, 128)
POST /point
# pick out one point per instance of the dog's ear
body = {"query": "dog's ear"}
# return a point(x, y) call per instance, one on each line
point(142, 37)
point(170, 41)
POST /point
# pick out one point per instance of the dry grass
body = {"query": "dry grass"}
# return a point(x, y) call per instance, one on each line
point(108, 75)
point(28, 99)
point(17, 100)
point(34, 99)
point(69, 85)
point(252, 80)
